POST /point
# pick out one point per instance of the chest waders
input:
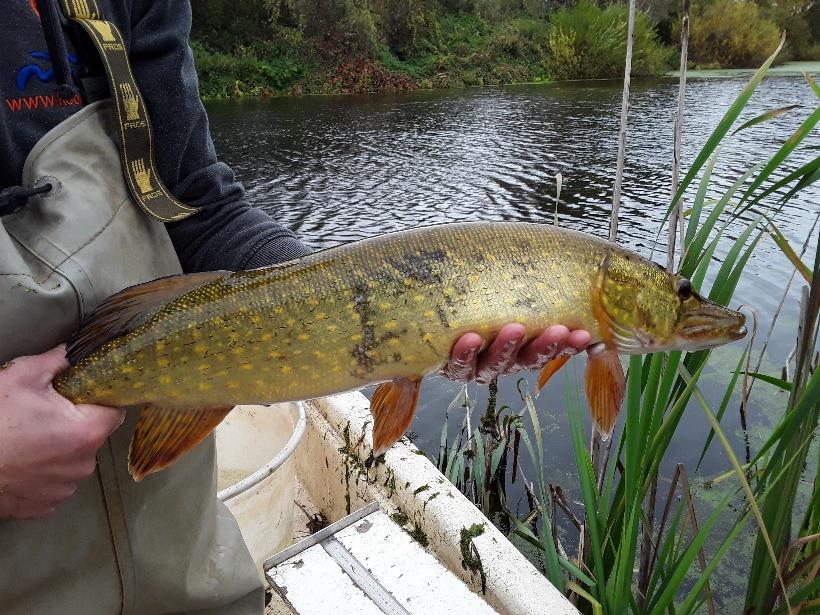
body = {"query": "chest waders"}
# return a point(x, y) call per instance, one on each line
point(165, 545)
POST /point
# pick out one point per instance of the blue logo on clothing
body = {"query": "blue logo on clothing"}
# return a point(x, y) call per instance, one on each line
point(44, 75)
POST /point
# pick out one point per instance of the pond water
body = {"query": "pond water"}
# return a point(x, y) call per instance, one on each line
point(337, 169)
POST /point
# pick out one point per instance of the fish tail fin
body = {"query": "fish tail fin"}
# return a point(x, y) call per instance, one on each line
point(605, 386)
point(163, 435)
point(393, 407)
point(129, 308)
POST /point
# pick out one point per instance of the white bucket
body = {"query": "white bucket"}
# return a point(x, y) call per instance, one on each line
point(247, 441)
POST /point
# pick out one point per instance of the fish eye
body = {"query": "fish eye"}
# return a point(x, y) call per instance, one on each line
point(684, 288)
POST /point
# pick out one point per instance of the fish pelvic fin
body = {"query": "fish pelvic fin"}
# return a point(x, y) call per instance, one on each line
point(550, 369)
point(393, 407)
point(605, 386)
point(129, 308)
point(163, 435)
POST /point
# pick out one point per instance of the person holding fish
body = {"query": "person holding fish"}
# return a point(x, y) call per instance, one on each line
point(101, 114)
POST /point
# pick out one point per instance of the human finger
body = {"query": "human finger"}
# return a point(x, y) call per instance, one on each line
point(501, 355)
point(462, 364)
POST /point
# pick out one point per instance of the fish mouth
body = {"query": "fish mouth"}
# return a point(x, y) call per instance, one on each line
point(710, 325)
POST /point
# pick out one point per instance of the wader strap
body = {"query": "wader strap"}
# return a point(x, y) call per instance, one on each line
point(136, 139)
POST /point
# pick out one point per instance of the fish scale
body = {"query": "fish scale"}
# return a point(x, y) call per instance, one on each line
point(386, 309)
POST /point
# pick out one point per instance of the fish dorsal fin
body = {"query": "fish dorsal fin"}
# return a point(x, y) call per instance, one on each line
point(163, 435)
point(129, 308)
point(393, 407)
point(605, 386)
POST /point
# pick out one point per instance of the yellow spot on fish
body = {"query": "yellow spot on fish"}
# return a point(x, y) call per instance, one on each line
point(278, 310)
point(391, 324)
point(331, 328)
point(205, 386)
point(418, 298)
point(291, 322)
point(200, 348)
point(127, 369)
point(246, 366)
point(321, 316)
point(448, 291)
point(427, 337)
point(385, 305)
point(408, 282)
point(303, 337)
point(429, 313)
point(233, 384)
point(159, 346)
point(255, 319)
point(356, 337)
point(165, 380)
point(313, 302)
point(274, 355)
point(266, 337)
point(286, 369)
point(203, 367)
point(319, 354)
point(394, 342)
point(239, 350)
point(138, 385)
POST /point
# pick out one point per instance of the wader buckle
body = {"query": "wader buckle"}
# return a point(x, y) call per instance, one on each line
point(14, 198)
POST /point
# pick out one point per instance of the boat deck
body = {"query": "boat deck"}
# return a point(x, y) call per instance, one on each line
point(366, 564)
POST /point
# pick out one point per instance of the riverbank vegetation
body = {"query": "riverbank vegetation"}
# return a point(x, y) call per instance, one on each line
point(270, 47)
point(630, 532)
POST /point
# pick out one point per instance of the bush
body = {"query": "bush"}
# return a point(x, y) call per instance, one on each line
point(255, 70)
point(587, 42)
point(732, 34)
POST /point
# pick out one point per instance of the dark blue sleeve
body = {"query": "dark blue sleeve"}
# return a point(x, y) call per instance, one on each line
point(228, 233)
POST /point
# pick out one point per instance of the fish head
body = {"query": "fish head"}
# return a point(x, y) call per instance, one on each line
point(644, 308)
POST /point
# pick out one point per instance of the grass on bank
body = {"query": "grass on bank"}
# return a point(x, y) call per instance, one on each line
point(271, 47)
point(640, 548)
point(453, 50)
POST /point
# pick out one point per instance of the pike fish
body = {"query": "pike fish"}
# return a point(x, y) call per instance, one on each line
point(383, 310)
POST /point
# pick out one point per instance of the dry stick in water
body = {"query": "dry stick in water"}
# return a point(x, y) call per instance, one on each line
point(599, 464)
point(619, 172)
point(676, 220)
point(616, 201)
point(779, 308)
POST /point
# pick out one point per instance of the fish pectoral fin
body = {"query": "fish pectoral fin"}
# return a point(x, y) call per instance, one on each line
point(605, 386)
point(550, 368)
point(393, 407)
point(165, 434)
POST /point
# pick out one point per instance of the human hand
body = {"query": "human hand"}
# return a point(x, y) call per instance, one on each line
point(47, 444)
point(509, 352)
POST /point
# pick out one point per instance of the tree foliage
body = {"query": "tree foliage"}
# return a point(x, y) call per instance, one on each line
point(731, 34)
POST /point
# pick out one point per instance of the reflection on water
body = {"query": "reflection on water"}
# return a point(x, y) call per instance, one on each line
point(336, 169)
